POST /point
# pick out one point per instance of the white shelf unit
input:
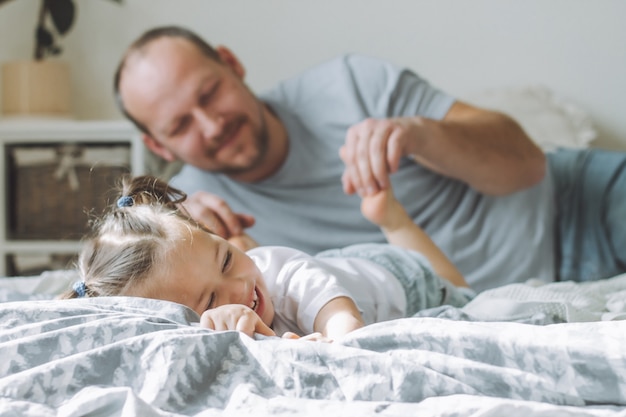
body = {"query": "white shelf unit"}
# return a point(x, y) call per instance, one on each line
point(52, 132)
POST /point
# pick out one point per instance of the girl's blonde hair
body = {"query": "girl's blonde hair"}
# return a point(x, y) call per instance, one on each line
point(132, 239)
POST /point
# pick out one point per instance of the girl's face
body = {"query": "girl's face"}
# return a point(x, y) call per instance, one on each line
point(206, 271)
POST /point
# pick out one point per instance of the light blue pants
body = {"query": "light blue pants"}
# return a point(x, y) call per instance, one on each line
point(590, 192)
point(423, 288)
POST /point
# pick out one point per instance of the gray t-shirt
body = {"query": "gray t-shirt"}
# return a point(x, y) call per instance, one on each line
point(492, 240)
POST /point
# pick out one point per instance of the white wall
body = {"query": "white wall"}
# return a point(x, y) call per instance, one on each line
point(577, 48)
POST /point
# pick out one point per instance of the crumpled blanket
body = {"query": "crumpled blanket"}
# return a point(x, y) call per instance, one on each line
point(537, 302)
point(127, 356)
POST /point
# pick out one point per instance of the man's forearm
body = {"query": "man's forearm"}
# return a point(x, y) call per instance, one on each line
point(487, 150)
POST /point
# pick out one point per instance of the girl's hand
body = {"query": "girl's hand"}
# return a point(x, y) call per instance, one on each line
point(235, 317)
point(313, 337)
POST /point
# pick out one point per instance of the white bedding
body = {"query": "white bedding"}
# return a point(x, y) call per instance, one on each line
point(130, 356)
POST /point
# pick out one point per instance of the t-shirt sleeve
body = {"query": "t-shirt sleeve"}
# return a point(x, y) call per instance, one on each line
point(389, 91)
point(339, 93)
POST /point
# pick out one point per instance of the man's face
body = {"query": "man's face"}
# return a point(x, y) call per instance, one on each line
point(196, 109)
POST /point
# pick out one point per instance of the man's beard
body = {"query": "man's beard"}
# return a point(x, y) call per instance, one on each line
point(261, 139)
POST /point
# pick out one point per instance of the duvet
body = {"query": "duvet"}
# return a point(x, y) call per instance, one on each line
point(553, 350)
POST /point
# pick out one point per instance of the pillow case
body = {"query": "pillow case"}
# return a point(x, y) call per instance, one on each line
point(549, 120)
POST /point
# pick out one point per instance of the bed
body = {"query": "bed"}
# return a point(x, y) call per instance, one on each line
point(524, 349)
point(556, 349)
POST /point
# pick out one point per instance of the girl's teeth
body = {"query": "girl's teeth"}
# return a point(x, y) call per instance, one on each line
point(255, 301)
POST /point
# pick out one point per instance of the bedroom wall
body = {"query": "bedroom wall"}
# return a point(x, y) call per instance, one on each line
point(574, 47)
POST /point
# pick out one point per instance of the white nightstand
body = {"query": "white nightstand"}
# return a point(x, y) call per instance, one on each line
point(54, 173)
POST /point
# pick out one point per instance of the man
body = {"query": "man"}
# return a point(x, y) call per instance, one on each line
point(295, 158)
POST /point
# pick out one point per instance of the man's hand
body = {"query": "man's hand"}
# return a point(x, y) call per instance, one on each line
point(373, 150)
point(235, 317)
point(243, 242)
point(487, 150)
point(216, 214)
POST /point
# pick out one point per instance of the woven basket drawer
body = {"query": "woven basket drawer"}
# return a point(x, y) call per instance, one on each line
point(54, 190)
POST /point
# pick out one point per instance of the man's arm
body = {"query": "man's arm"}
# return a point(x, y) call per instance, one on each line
point(487, 150)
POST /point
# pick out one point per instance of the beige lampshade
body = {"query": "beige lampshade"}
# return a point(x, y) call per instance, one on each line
point(36, 88)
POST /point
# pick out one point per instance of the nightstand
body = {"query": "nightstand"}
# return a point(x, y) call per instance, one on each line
point(57, 174)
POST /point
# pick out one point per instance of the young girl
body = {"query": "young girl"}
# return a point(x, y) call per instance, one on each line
point(147, 246)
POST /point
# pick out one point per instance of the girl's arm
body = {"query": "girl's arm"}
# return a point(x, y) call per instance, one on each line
point(337, 318)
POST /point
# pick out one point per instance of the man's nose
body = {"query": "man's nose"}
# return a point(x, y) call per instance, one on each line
point(211, 125)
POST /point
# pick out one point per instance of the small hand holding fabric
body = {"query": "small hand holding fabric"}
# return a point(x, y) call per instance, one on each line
point(235, 317)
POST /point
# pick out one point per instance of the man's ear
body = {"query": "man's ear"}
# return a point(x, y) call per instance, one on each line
point(156, 148)
point(231, 61)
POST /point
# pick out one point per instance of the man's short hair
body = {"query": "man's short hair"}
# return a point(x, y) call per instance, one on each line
point(144, 40)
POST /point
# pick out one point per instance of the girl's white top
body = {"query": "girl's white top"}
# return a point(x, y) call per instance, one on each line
point(300, 285)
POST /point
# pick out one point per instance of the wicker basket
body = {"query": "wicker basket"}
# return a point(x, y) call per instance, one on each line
point(35, 264)
point(53, 194)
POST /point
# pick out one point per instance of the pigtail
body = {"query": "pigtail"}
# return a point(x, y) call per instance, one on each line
point(68, 294)
point(133, 236)
point(145, 189)
point(79, 289)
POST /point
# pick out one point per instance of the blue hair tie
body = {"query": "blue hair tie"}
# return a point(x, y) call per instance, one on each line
point(80, 288)
point(125, 201)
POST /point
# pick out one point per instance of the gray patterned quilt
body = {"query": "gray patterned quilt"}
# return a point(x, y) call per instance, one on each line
point(561, 352)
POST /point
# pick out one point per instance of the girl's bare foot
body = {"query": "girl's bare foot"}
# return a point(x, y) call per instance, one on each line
point(384, 210)
point(387, 213)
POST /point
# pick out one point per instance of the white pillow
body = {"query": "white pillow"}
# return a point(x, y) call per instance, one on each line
point(549, 120)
